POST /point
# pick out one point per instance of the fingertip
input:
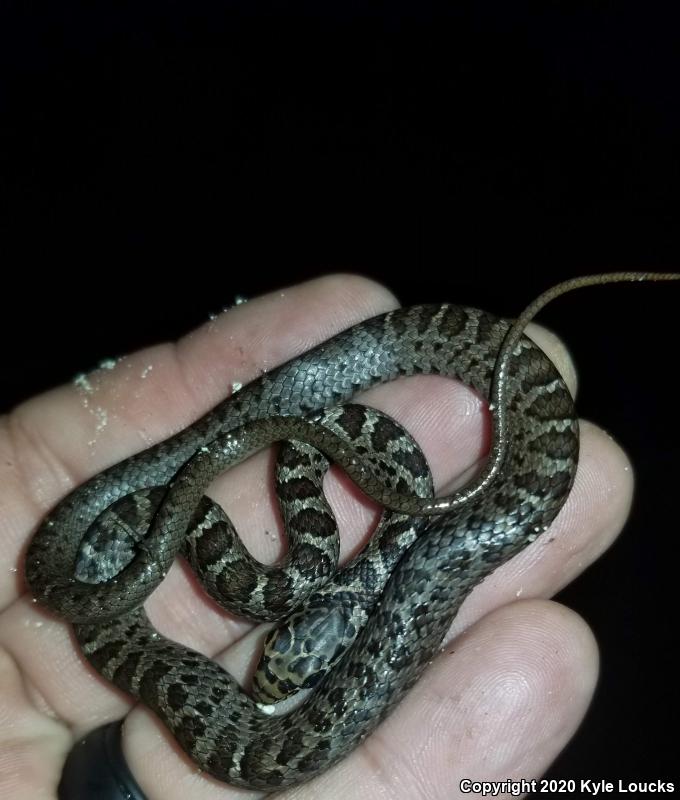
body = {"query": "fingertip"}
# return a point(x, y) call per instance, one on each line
point(603, 490)
point(505, 697)
point(350, 290)
point(548, 646)
point(531, 665)
point(498, 703)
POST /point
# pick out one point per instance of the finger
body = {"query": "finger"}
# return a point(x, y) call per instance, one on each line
point(500, 702)
point(32, 746)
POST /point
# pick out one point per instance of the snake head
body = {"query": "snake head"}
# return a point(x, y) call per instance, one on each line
point(302, 649)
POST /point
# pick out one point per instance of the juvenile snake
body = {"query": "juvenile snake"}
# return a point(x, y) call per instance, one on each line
point(450, 544)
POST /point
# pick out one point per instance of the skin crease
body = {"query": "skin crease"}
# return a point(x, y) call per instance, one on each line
point(516, 672)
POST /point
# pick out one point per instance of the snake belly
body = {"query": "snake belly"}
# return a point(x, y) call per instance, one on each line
point(215, 722)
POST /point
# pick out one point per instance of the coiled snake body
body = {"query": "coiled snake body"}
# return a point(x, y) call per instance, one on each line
point(449, 548)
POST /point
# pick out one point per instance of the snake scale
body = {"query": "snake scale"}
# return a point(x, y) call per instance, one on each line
point(130, 521)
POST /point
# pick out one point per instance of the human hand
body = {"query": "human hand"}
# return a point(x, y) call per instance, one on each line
point(515, 674)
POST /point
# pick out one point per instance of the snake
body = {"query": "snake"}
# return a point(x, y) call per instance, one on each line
point(107, 545)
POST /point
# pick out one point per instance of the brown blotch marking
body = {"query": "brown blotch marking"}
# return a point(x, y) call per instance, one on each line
point(398, 324)
point(204, 708)
point(402, 486)
point(101, 657)
point(291, 456)
point(177, 696)
point(311, 761)
point(352, 420)
point(210, 545)
point(390, 470)
point(129, 509)
point(487, 324)
point(530, 483)
point(384, 432)
point(453, 321)
point(293, 745)
point(238, 580)
point(297, 489)
point(544, 407)
point(222, 754)
point(256, 755)
point(422, 319)
point(396, 529)
point(560, 481)
point(278, 590)
point(151, 681)
point(125, 673)
point(312, 562)
point(189, 730)
point(319, 523)
point(412, 460)
point(554, 444)
point(320, 721)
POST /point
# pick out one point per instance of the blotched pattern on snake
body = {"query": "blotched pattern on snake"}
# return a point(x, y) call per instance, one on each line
point(142, 508)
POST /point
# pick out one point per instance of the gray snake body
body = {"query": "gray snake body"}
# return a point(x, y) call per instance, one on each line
point(216, 723)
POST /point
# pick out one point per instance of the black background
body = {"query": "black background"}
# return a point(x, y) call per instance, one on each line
point(158, 161)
